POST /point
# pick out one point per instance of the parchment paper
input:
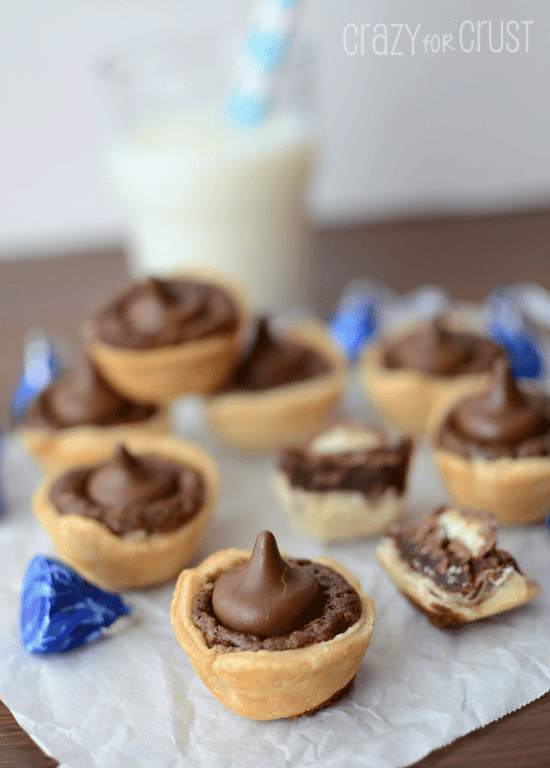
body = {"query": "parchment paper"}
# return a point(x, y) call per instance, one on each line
point(134, 701)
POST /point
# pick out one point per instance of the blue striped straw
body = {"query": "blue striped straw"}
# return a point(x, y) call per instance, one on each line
point(262, 53)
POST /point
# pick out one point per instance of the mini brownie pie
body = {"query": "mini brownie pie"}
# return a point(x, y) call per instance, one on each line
point(78, 407)
point(272, 637)
point(492, 450)
point(281, 390)
point(135, 516)
point(406, 376)
point(346, 482)
point(450, 568)
point(162, 338)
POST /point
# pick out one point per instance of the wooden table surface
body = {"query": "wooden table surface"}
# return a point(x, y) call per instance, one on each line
point(469, 256)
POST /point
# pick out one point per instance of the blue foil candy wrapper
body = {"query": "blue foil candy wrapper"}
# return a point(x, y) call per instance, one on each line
point(355, 321)
point(61, 611)
point(507, 326)
point(42, 364)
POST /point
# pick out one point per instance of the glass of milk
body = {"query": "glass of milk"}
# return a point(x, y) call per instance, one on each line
point(197, 191)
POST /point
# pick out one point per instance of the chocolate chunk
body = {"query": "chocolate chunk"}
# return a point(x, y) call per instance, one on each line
point(435, 349)
point(272, 362)
point(155, 313)
point(498, 421)
point(266, 595)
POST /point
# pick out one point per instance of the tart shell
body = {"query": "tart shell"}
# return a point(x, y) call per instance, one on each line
point(283, 415)
point(161, 374)
point(516, 491)
point(407, 398)
point(134, 560)
point(267, 685)
point(440, 606)
point(336, 515)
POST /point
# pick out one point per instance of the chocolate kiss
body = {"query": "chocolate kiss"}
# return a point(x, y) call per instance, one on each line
point(433, 348)
point(269, 362)
point(148, 311)
point(127, 479)
point(502, 413)
point(82, 396)
point(265, 596)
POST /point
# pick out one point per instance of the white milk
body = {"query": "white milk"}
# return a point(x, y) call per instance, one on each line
point(199, 193)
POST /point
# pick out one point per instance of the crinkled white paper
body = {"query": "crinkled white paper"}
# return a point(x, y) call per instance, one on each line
point(134, 701)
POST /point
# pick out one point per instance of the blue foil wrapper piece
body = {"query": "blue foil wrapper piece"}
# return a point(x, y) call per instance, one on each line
point(507, 326)
point(42, 364)
point(61, 611)
point(355, 321)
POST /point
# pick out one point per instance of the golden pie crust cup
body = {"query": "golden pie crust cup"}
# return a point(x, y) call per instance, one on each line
point(268, 685)
point(439, 605)
point(406, 398)
point(131, 561)
point(287, 414)
point(70, 446)
point(161, 374)
point(516, 491)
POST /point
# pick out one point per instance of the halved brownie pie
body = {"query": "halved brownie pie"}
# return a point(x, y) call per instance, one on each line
point(347, 481)
point(450, 568)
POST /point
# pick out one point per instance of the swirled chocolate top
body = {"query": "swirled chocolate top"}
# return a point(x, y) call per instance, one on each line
point(272, 361)
point(157, 313)
point(349, 457)
point(130, 493)
point(272, 603)
point(501, 421)
point(435, 349)
point(456, 547)
point(82, 396)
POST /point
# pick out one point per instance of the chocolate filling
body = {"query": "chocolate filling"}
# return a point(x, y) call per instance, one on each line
point(272, 361)
point(70, 495)
point(42, 416)
point(440, 351)
point(501, 421)
point(454, 568)
point(338, 608)
point(158, 313)
point(371, 471)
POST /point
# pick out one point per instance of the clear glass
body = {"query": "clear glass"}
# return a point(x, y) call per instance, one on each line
point(198, 192)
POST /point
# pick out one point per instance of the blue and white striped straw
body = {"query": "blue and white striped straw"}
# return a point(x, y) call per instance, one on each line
point(263, 51)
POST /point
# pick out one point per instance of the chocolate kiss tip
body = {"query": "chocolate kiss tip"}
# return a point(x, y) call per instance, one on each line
point(125, 459)
point(503, 388)
point(266, 555)
point(159, 289)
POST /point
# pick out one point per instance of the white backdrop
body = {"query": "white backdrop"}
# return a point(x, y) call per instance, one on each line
point(405, 127)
